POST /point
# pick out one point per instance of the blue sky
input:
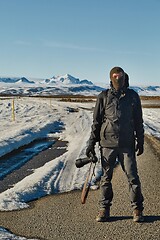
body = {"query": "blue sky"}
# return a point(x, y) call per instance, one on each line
point(85, 38)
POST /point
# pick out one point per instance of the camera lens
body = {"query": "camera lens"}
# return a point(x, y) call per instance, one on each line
point(81, 162)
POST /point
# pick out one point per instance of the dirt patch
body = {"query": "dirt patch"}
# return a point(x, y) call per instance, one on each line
point(150, 97)
point(150, 106)
point(154, 143)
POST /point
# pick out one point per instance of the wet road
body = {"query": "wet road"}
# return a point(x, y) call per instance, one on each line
point(28, 166)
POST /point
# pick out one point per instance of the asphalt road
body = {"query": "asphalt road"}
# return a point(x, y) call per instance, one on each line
point(57, 149)
point(63, 217)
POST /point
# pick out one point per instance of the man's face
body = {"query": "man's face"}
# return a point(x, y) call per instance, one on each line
point(117, 75)
point(118, 80)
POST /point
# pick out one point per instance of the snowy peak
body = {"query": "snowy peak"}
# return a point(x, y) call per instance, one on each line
point(24, 80)
point(67, 79)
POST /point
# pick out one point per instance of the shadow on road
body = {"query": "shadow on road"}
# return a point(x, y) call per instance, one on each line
point(119, 218)
point(151, 219)
point(147, 219)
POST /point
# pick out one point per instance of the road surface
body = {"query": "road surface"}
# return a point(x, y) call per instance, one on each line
point(63, 217)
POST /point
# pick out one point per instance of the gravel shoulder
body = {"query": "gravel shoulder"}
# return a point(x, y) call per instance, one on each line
point(62, 216)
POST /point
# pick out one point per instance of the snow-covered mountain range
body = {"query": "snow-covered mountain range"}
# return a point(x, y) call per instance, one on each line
point(56, 85)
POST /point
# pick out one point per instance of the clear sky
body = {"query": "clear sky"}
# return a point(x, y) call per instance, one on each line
point(85, 38)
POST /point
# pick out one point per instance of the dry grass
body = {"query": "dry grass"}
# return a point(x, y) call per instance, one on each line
point(150, 97)
point(82, 100)
point(150, 106)
point(155, 144)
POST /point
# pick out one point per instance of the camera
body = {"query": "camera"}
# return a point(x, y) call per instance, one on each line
point(83, 161)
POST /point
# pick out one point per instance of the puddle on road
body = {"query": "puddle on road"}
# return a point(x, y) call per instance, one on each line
point(19, 157)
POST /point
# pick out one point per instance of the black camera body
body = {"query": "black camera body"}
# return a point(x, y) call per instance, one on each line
point(83, 161)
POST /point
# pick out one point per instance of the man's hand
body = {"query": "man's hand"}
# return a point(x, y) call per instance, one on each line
point(139, 149)
point(90, 149)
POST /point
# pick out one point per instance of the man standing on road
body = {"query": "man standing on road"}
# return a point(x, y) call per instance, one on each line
point(118, 127)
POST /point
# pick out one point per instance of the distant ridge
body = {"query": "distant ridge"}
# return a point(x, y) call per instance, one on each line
point(62, 84)
point(15, 80)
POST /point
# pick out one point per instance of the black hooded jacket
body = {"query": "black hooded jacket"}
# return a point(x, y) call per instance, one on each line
point(117, 119)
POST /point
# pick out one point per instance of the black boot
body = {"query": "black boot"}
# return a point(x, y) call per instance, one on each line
point(103, 215)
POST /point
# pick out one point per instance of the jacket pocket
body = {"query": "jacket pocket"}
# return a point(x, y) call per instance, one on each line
point(103, 129)
point(108, 130)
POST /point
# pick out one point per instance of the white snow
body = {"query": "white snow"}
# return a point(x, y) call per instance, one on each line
point(152, 121)
point(6, 235)
point(36, 118)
